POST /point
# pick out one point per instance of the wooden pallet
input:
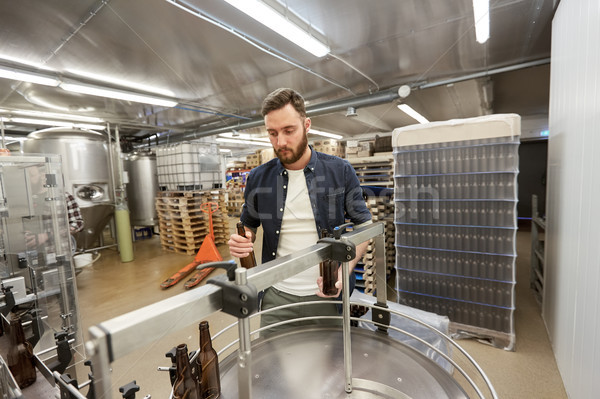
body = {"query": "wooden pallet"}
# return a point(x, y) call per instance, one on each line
point(182, 223)
point(497, 339)
point(374, 171)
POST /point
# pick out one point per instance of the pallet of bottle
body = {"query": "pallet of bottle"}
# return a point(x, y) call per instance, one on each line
point(455, 263)
point(490, 213)
point(493, 324)
point(476, 239)
point(499, 154)
point(468, 289)
point(457, 186)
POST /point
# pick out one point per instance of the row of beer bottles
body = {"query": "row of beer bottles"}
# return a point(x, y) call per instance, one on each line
point(199, 379)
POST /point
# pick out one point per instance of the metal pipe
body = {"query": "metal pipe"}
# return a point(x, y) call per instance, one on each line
point(111, 162)
point(346, 327)
point(380, 269)
point(244, 353)
point(484, 73)
point(382, 97)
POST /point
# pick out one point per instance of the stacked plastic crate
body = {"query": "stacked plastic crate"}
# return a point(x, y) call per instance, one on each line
point(455, 201)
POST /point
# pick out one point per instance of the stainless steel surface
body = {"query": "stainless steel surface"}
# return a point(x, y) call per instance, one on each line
point(380, 269)
point(142, 188)
point(221, 70)
point(308, 363)
point(347, 344)
point(86, 174)
point(119, 336)
point(245, 346)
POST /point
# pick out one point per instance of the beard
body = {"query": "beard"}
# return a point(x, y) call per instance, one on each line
point(295, 153)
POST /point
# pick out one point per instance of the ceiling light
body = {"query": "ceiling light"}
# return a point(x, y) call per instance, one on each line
point(224, 150)
point(79, 118)
point(325, 134)
point(412, 113)
point(122, 83)
point(31, 77)
point(481, 12)
point(117, 94)
point(29, 121)
point(280, 25)
point(240, 142)
point(244, 136)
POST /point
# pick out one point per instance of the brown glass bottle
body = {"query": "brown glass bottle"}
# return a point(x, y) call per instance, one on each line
point(329, 272)
point(20, 356)
point(209, 363)
point(249, 261)
point(185, 386)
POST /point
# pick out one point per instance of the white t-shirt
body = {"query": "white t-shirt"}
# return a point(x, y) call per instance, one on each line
point(298, 230)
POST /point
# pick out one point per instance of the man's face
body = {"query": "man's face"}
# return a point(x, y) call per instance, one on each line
point(287, 133)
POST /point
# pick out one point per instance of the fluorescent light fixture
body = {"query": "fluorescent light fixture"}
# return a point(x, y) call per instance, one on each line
point(224, 150)
point(481, 12)
point(117, 94)
point(244, 136)
point(240, 142)
point(280, 25)
point(122, 83)
point(407, 109)
point(31, 77)
point(29, 121)
point(41, 114)
point(325, 134)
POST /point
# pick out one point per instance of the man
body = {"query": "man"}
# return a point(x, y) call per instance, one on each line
point(294, 197)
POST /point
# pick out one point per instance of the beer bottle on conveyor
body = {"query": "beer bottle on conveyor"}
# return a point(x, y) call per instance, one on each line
point(207, 359)
point(185, 386)
point(329, 272)
point(249, 261)
point(20, 355)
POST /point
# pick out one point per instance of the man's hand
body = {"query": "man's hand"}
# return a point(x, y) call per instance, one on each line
point(240, 246)
point(338, 284)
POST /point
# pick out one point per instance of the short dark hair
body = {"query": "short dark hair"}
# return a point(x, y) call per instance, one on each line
point(282, 97)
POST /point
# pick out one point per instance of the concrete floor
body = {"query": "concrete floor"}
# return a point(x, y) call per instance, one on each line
point(109, 288)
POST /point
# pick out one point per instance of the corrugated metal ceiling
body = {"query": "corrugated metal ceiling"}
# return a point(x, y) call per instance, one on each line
point(220, 79)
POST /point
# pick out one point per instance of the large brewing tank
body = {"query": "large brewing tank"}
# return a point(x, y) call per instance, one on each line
point(142, 187)
point(86, 173)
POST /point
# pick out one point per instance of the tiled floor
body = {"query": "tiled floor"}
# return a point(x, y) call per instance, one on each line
point(109, 288)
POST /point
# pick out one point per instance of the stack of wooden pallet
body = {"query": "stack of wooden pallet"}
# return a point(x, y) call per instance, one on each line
point(382, 210)
point(235, 200)
point(374, 171)
point(183, 224)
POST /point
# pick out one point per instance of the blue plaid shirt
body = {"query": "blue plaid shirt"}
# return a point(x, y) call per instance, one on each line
point(334, 191)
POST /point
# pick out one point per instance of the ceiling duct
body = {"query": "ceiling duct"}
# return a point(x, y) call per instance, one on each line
point(330, 107)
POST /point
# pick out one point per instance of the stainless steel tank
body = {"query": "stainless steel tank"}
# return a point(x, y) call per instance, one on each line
point(86, 173)
point(142, 188)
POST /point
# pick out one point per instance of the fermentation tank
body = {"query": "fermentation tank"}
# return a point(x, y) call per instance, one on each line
point(84, 156)
point(142, 187)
